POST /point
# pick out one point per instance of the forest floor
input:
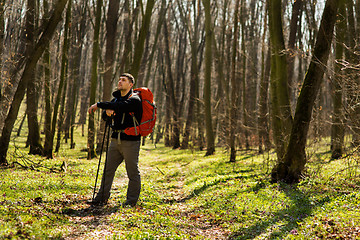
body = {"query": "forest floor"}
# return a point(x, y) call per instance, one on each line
point(184, 196)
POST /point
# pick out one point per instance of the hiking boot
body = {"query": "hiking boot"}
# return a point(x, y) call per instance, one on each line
point(97, 202)
point(129, 204)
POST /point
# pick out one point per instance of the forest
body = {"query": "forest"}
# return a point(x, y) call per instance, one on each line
point(230, 77)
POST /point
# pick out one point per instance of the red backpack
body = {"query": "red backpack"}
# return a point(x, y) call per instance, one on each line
point(148, 118)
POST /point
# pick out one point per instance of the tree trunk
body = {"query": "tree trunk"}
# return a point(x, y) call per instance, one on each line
point(263, 119)
point(194, 75)
point(337, 128)
point(48, 150)
point(234, 85)
point(170, 89)
point(291, 54)
point(2, 35)
point(32, 88)
point(47, 88)
point(210, 140)
point(64, 76)
point(94, 80)
point(280, 102)
point(161, 18)
point(139, 46)
point(290, 168)
point(353, 82)
point(111, 28)
point(30, 65)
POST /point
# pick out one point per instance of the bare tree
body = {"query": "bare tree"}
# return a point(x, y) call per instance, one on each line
point(30, 65)
point(290, 167)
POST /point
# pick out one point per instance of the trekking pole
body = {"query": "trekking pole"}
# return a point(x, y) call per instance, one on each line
point(106, 159)
point(98, 168)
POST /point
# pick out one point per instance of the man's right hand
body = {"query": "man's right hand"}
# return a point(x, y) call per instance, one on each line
point(110, 112)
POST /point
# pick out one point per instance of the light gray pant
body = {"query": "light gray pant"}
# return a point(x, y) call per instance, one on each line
point(117, 153)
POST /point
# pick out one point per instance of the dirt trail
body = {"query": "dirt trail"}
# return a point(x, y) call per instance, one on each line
point(93, 222)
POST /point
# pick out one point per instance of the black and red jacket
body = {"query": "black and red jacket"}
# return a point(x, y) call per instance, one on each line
point(123, 106)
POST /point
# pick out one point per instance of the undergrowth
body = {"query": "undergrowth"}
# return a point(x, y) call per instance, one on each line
point(184, 196)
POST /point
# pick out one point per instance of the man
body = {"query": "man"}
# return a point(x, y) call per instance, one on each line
point(122, 146)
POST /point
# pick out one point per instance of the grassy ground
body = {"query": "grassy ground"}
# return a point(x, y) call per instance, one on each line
point(184, 196)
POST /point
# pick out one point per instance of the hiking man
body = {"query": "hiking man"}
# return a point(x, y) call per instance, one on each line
point(122, 147)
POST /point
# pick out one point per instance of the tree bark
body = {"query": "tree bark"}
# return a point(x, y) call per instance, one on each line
point(280, 102)
point(30, 65)
point(2, 35)
point(170, 89)
point(337, 128)
point(32, 88)
point(291, 166)
point(234, 84)
point(210, 140)
point(291, 54)
point(353, 82)
point(139, 46)
point(94, 80)
point(194, 74)
point(111, 28)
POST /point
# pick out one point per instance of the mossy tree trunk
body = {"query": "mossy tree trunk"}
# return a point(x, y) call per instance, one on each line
point(291, 166)
point(280, 101)
point(210, 138)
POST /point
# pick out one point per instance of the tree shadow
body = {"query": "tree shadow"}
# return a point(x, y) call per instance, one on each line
point(202, 188)
point(86, 217)
point(301, 207)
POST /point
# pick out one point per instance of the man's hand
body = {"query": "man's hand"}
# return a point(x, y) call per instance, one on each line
point(110, 112)
point(92, 108)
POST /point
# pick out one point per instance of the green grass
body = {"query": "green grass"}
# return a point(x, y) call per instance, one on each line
point(184, 196)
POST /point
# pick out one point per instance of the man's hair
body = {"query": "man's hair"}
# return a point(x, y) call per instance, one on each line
point(129, 76)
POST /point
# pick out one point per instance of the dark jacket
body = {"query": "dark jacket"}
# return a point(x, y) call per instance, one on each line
point(123, 106)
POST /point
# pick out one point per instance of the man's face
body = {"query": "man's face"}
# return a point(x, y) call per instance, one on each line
point(124, 84)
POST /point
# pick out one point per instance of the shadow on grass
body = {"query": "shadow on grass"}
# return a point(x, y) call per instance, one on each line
point(207, 184)
point(86, 217)
point(300, 208)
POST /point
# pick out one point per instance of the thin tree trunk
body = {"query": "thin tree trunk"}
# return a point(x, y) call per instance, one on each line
point(139, 46)
point(295, 16)
point(353, 83)
point(94, 80)
point(210, 140)
point(337, 128)
point(263, 119)
point(30, 65)
point(194, 38)
point(234, 85)
point(171, 90)
point(161, 18)
point(64, 77)
point(111, 28)
point(47, 88)
point(290, 168)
